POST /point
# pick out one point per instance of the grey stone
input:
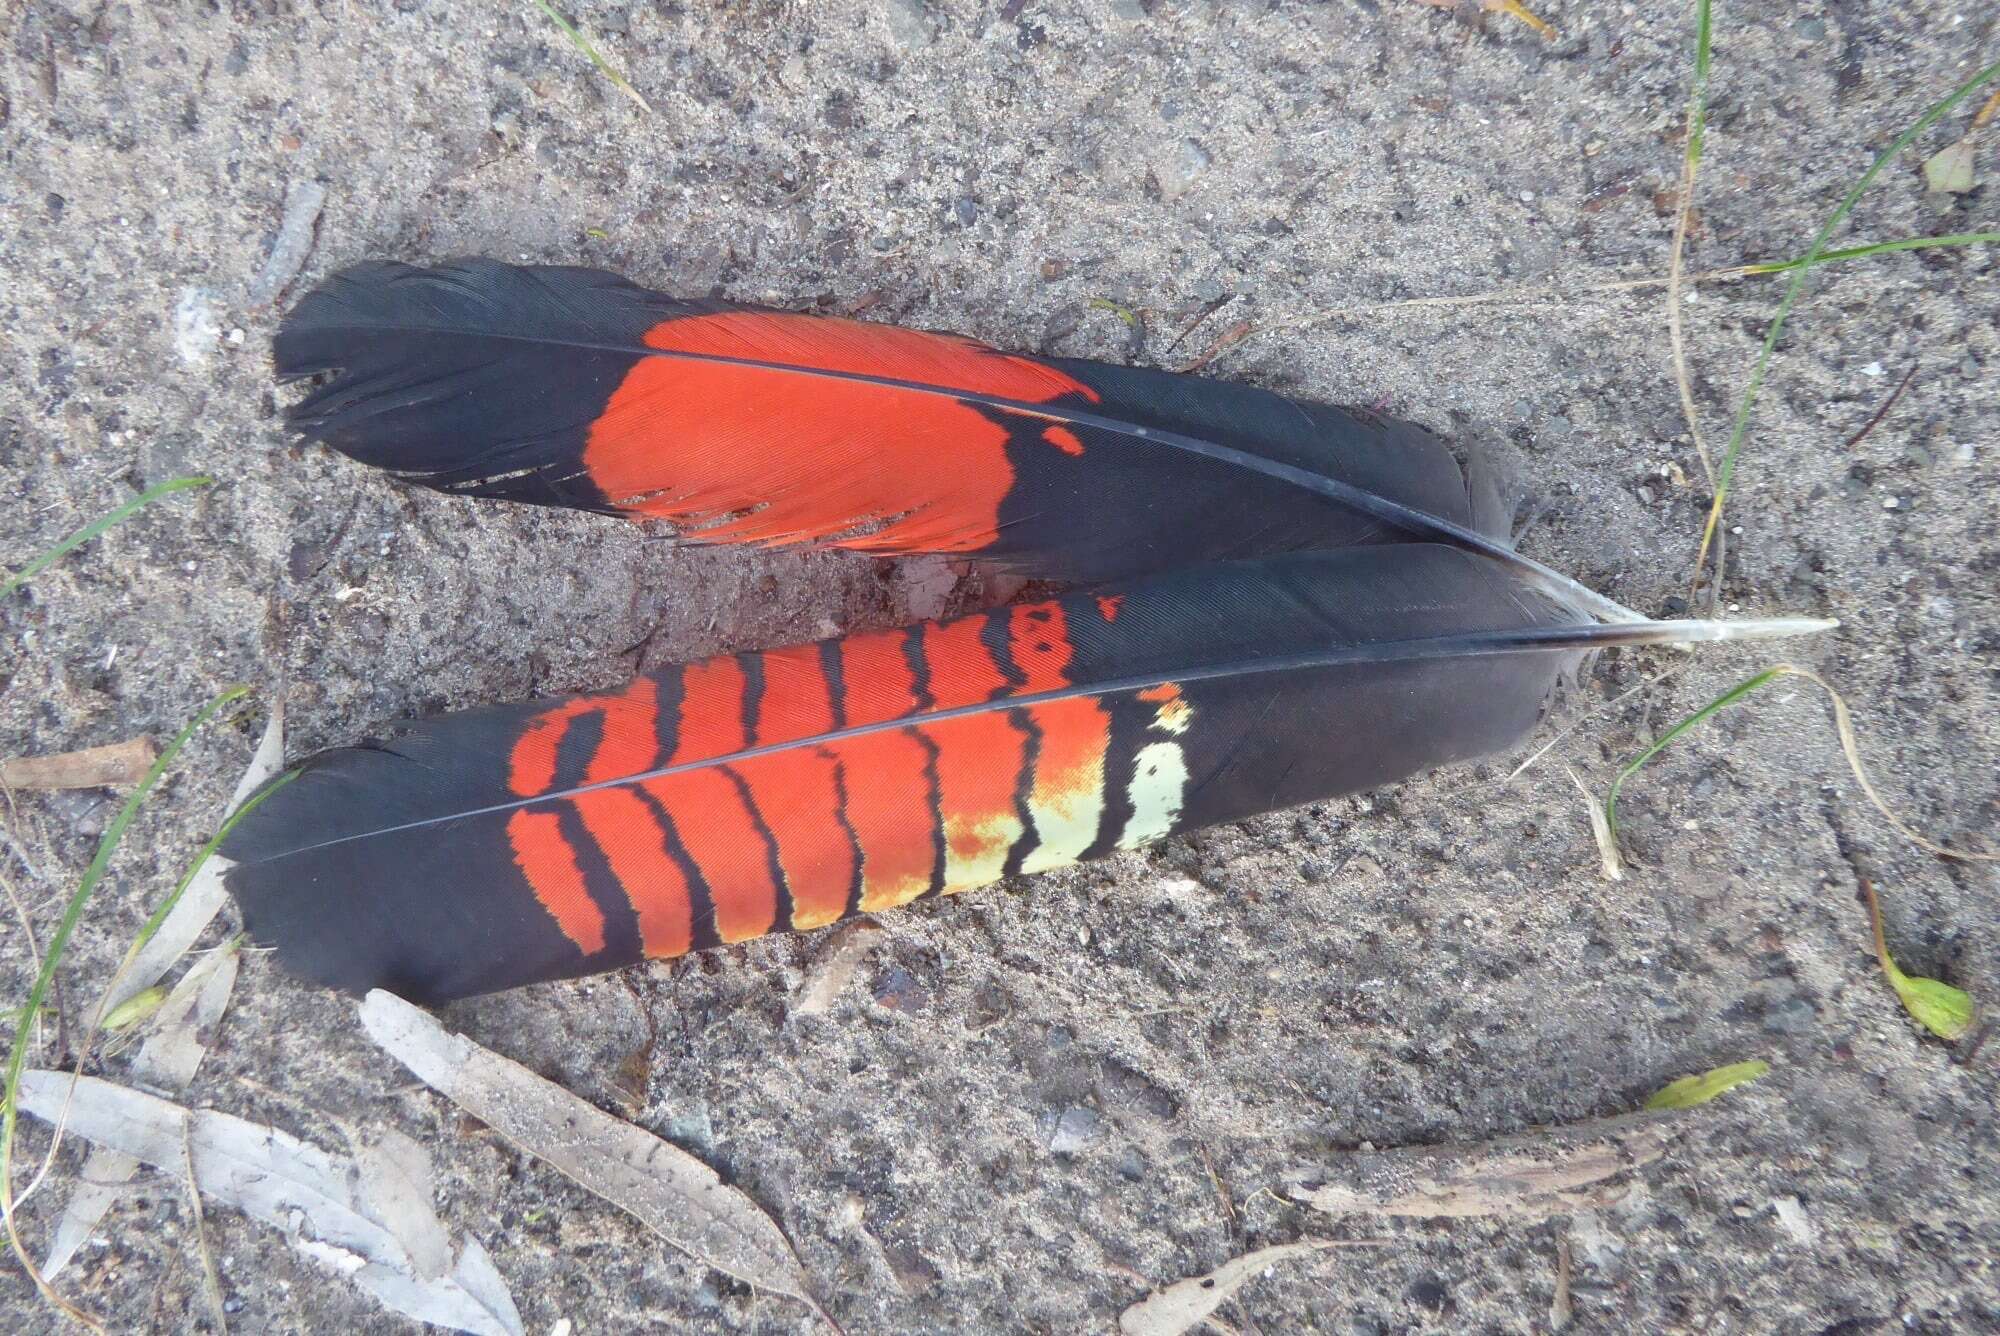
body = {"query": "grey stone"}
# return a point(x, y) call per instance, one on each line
point(1075, 1129)
point(1177, 166)
point(1791, 1015)
point(910, 24)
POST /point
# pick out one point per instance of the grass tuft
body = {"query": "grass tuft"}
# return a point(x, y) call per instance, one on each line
point(17, 1057)
point(1726, 471)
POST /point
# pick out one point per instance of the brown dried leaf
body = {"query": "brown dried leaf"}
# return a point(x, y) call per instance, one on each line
point(1538, 1174)
point(117, 765)
point(671, 1192)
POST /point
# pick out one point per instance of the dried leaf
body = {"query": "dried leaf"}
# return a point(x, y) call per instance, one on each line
point(1600, 831)
point(394, 1176)
point(166, 1061)
point(845, 950)
point(1185, 1303)
point(677, 1196)
point(274, 1177)
point(1950, 169)
point(1547, 1172)
point(117, 765)
point(1989, 111)
point(1689, 1091)
point(205, 895)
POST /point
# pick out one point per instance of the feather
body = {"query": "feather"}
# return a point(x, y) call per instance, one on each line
point(720, 800)
point(573, 387)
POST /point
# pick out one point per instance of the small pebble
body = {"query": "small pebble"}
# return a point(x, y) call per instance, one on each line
point(898, 990)
point(1074, 1129)
point(1176, 168)
point(1792, 1218)
point(1794, 1015)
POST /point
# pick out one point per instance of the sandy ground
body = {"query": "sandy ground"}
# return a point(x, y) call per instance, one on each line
point(1437, 961)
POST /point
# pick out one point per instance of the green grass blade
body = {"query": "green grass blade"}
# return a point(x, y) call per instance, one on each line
point(159, 915)
point(1740, 429)
point(17, 1058)
point(1876, 248)
point(1698, 94)
point(604, 67)
point(1722, 702)
point(96, 527)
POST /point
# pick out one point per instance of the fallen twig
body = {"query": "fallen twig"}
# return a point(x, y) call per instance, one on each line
point(116, 765)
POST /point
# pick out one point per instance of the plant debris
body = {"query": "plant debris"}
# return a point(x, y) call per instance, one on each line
point(604, 67)
point(319, 1200)
point(1949, 170)
point(1532, 1176)
point(1186, 1303)
point(293, 243)
point(1943, 1010)
point(846, 948)
point(1692, 1091)
point(117, 765)
point(671, 1192)
point(135, 1008)
point(165, 1062)
point(204, 895)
